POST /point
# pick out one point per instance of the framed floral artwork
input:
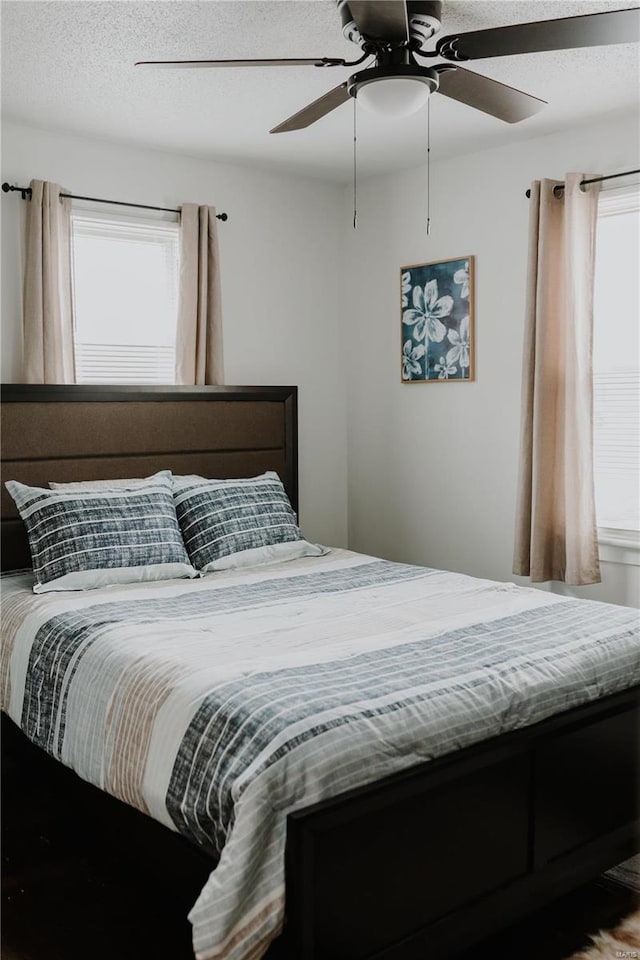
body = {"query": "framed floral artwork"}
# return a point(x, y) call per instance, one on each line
point(437, 321)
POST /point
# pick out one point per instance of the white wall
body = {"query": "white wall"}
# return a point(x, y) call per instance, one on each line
point(280, 256)
point(432, 467)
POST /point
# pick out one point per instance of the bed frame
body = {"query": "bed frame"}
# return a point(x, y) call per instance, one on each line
point(422, 864)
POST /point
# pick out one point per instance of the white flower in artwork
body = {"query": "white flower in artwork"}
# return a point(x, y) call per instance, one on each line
point(459, 352)
point(410, 357)
point(429, 309)
point(462, 276)
point(445, 368)
point(406, 287)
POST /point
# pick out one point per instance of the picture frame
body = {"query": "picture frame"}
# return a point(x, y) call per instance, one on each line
point(437, 321)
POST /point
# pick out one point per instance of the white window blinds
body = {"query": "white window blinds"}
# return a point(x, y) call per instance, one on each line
point(125, 298)
point(616, 362)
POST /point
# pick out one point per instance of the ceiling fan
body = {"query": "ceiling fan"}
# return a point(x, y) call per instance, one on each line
point(392, 35)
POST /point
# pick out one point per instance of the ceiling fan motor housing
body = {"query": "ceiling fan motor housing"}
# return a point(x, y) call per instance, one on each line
point(424, 21)
point(349, 28)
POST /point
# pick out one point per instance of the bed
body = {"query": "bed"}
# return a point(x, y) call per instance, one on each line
point(533, 784)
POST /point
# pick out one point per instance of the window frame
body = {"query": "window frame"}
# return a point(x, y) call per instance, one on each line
point(616, 544)
point(127, 216)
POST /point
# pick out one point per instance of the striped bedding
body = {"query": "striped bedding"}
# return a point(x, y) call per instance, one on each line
point(219, 705)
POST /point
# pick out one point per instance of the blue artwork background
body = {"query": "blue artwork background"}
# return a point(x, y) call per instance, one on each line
point(435, 321)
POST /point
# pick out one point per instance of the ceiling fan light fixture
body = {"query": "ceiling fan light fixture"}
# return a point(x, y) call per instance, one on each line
point(396, 92)
point(394, 97)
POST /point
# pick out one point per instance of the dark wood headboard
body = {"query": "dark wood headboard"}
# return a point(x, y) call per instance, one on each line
point(66, 433)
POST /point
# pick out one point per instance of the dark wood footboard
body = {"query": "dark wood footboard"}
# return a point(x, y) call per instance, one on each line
point(429, 862)
point(424, 863)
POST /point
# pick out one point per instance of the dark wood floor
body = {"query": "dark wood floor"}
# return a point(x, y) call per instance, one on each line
point(563, 928)
point(62, 903)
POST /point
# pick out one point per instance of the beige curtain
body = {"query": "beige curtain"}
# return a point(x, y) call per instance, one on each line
point(48, 324)
point(199, 357)
point(555, 524)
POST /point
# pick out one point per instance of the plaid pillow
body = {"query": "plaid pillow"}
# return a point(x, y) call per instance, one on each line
point(233, 523)
point(80, 539)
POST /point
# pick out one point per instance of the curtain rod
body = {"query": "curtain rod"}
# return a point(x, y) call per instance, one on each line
point(26, 192)
point(611, 176)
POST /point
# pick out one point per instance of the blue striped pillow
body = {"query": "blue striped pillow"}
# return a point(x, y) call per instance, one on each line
point(236, 523)
point(81, 539)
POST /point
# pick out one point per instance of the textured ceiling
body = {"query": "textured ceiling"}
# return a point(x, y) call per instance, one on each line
point(68, 65)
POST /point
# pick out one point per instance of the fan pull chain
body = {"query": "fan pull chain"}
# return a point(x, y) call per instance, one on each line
point(355, 166)
point(428, 166)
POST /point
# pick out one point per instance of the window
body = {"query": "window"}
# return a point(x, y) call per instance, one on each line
point(616, 366)
point(125, 298)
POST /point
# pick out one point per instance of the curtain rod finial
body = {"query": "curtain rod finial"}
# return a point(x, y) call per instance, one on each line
point(23, 191)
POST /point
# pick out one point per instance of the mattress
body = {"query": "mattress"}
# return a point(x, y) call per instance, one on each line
point(218, 706)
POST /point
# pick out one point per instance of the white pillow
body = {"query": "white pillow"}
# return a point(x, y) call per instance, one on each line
point(126, 484)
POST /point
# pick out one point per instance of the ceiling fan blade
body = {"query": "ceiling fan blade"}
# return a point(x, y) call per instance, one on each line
point(314, 111)
point(588, 30)
point(308, 62)
point(381, 19)
point(490, 96)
